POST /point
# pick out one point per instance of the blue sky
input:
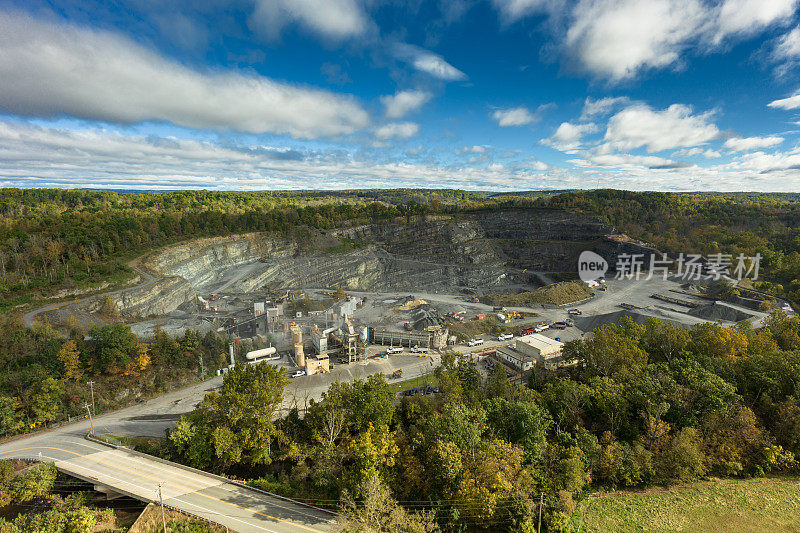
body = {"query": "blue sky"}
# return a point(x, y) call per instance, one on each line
point(330, 94)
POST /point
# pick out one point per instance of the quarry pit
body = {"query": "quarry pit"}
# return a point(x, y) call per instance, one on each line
point(414, 279)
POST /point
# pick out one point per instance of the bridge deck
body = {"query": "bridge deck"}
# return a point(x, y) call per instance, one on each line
point(138, 475)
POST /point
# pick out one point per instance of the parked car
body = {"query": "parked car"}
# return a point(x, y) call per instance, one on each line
point(298, 373)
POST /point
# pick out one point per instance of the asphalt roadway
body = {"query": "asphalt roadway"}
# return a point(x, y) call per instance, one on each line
point(138, 475)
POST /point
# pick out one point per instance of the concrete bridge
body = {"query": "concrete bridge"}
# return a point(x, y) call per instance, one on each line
point(140, 476)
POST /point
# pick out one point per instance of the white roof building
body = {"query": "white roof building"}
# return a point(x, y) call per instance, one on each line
point(531, 349)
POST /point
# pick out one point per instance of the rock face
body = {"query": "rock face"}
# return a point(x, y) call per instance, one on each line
point(151, 299)
point(490, 251)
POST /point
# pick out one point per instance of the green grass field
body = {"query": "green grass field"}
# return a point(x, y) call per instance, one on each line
point(398, 386)
point(759, 505)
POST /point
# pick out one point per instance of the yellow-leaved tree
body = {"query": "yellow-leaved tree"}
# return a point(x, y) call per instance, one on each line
point(70, 359)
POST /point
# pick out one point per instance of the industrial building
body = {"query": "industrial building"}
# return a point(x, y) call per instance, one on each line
point(431, 337)
point(531, 349)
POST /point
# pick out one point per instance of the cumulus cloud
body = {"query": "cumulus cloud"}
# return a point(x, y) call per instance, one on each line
point(617, 39)
point(331, 19)
point(427, 62)
point(515, 116)
point(675, 127)
point(568, 136)
point(748, 144)
point(399, 130)
point(792, 102)
point(50, 70)
point(404, 102)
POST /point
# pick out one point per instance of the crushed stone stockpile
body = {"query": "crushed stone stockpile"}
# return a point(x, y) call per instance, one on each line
point(591, 323)
point(720, 311)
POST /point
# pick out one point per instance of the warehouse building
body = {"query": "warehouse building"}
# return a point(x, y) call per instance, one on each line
point(531, 349)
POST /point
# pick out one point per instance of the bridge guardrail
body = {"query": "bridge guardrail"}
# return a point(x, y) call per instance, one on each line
point(94, 438)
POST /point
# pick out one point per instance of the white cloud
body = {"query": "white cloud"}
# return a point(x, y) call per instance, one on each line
point(400, 130)
point(675, 127)
point(788, 46)
point(475, 149)
point(748, 144)
point(792, 102)
point(332, 19)
point(616, 39)
point(513, 10)
point(32, 156)
point(747, 17)
point(773, 162)
point(404, 102)
point(515, 116)
point(689, 152)
point(627, 161)
point(568, 136)
point(49, 70)
point(428, 62)
point(601, 106)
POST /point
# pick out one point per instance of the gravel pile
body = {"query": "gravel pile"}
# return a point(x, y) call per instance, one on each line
point(720, 311)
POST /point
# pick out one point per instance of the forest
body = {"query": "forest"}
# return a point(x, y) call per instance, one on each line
point(43, 376)
point(647, 404)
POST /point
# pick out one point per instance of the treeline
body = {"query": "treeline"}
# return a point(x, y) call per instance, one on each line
point(43, 377)
point(768, 224)
point(646, 403)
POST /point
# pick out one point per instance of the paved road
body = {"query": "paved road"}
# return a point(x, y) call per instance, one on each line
point(138, 475)
point(145, 279)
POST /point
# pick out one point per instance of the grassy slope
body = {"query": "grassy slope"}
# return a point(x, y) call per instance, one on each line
point(730, 505)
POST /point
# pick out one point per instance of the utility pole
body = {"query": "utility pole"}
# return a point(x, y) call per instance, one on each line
point(161, 501)
point(91, 422)
point(541, 504)
point(202, 368)
point(91, 386)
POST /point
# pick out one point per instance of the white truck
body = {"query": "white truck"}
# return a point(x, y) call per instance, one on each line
point(394, 350)
point(474, 342)
point(505, 337)
point(419, 349)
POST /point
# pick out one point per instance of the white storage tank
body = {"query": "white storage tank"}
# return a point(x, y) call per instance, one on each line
point(262, 353)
